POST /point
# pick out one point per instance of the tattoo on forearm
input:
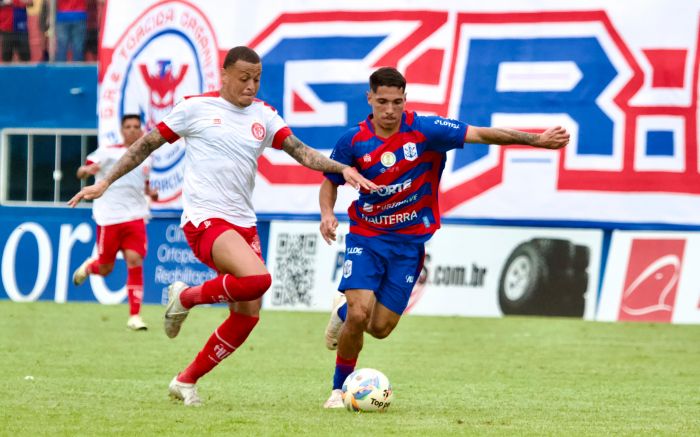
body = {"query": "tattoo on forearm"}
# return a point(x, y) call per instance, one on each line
point(511, 136)
point(309, 157)
point(136, 154)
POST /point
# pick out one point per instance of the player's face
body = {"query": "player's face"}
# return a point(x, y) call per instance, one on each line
point(240, 82)
point(131, 131)
point(387, 107)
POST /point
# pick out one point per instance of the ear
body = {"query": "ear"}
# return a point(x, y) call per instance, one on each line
point(369, 97)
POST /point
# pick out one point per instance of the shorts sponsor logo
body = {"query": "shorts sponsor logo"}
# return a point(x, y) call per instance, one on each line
point(388, 159)
point(258, 131)
point(652, 278)
point(216, 121)
point(355, 250)
point(410, 151)
point(347, 268)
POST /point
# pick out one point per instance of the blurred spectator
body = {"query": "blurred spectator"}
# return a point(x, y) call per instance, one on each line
point(13, 25)
point(71, 28)
point(38, 22)
point(93, 24)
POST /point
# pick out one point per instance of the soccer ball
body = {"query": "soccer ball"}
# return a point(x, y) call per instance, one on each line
point(367, 390)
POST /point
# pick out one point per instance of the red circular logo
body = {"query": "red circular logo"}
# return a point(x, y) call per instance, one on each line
point(258, 131)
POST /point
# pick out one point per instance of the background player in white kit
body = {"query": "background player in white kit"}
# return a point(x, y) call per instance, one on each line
point(120, 215)
point(225, 132)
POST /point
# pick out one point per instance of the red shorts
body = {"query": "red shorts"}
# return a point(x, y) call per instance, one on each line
point(121, 236)
point(201, 238)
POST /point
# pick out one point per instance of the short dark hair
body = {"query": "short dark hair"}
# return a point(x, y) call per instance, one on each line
point(387, 76)
point(242, 53)
point(126, 117)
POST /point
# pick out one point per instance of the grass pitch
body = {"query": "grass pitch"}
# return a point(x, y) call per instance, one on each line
point(75, 369)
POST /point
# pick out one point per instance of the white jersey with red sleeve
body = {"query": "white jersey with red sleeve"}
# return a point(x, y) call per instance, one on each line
point(125, 199)
point(222, 144)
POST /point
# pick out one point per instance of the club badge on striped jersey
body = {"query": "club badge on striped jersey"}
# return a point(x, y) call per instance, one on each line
point(410, 151)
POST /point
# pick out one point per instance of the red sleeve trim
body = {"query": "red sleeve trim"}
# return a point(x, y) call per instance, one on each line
point(167, 133)
point(89, 162)
point(280, 136)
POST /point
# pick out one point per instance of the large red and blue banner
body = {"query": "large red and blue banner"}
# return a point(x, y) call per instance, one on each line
point(622, 77)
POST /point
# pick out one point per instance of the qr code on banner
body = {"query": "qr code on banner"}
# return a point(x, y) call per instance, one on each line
point(294, 269)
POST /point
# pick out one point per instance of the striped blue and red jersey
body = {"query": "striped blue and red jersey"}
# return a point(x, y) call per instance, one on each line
point(407, 167)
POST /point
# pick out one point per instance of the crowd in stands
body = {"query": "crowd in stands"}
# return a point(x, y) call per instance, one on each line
point(49, 30)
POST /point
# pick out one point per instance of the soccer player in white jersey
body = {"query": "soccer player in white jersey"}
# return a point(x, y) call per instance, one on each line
point(121, 215)
point(225, 132)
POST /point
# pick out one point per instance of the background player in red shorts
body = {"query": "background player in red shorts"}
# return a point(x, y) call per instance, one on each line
point(225, 132)
point(120, 215)
point(404, 154)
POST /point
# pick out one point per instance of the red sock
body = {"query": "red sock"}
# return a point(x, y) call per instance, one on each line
point(134, 288)
point(94, 268)
point(226, 339)
point(226, 288)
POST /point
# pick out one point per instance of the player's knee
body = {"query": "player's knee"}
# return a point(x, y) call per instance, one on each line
point(358, 315)
point(380, 332)
point(106, 269)
point(251, 287)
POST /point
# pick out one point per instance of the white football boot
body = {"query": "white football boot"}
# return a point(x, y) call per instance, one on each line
point(184, 392)
point(335, 400)
point(81, 273)
point(136, 323)
point(334, 323)
point(175, 313)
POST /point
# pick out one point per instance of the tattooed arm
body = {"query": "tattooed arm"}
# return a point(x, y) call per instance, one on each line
point(309, 157)
point(552, 138)
point(134, 156)
point(315, 160)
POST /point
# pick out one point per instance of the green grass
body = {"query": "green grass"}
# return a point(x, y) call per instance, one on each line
point(512, 376)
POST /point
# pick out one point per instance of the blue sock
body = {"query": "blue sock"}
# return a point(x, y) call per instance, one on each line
point(343, 311)
point(343, 368)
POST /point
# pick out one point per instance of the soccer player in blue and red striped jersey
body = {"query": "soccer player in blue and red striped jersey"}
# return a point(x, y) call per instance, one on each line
point(404, 154)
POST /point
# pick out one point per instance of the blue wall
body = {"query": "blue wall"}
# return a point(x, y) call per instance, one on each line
point(48, 96)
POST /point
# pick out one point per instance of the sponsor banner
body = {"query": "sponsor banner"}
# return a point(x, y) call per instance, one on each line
point(41, 251)
point(468, 271)
point(625, 94)
point(651, 277)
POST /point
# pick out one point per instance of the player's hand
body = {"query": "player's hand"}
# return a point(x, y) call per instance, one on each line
point(354, 178)
point(90, 192)
point(329, 223)
point(151, 193)
point(553, 138)
point(92, 168)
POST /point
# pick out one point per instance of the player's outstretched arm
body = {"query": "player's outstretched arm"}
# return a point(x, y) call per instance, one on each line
point(134, 156)
point(87, 170)
point(553, 138)
point(315, 160)
point(327, 196)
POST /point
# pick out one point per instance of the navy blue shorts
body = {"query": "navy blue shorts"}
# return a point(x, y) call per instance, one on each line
point(390, 269)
